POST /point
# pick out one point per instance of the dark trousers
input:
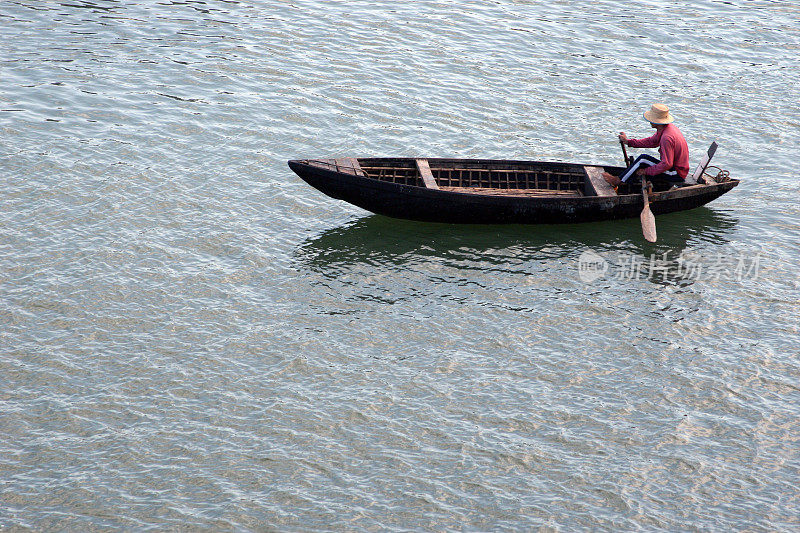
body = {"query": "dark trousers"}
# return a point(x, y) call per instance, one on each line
point(644, 161)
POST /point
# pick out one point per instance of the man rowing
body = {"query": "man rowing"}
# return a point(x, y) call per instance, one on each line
point(673, 166)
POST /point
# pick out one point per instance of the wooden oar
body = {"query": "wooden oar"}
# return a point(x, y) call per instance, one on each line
point(647, 217)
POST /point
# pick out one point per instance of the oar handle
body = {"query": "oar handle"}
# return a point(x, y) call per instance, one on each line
point(624, 152)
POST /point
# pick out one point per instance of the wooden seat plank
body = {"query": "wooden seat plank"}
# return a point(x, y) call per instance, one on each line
point(427, 176)
point(349, 165)
point(596, 185)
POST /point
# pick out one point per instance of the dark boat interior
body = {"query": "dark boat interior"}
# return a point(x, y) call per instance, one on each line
point(482, 178)
point(506, 178)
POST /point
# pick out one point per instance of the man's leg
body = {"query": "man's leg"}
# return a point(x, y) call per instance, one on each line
point(643, 160)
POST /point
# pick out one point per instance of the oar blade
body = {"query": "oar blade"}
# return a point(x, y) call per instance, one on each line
point(648, 224)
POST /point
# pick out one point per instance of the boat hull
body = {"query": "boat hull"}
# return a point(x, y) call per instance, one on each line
point(413, 202)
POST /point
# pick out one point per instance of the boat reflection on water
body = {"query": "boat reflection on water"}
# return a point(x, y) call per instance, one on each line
point(384, 242)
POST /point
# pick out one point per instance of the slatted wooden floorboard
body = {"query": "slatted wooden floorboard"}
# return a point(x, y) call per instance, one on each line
point(512, 192)
point(516, 182)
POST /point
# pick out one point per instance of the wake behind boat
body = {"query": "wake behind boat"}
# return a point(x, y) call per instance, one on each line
point(485, 191)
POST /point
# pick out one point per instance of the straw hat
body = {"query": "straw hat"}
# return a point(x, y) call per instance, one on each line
point(659, 114)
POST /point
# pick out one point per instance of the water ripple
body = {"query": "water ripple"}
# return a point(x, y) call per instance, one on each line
point(190, 337)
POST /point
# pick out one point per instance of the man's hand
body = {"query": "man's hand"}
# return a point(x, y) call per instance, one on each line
point(623, 137)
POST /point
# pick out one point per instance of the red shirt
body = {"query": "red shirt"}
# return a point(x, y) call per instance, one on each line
point(672, 147)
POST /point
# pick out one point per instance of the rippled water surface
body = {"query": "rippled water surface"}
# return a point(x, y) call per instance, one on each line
point(193, 338)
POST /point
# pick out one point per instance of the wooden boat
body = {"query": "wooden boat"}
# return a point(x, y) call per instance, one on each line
point(484, 191)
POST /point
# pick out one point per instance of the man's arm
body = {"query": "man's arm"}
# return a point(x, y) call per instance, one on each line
point(649, 142)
